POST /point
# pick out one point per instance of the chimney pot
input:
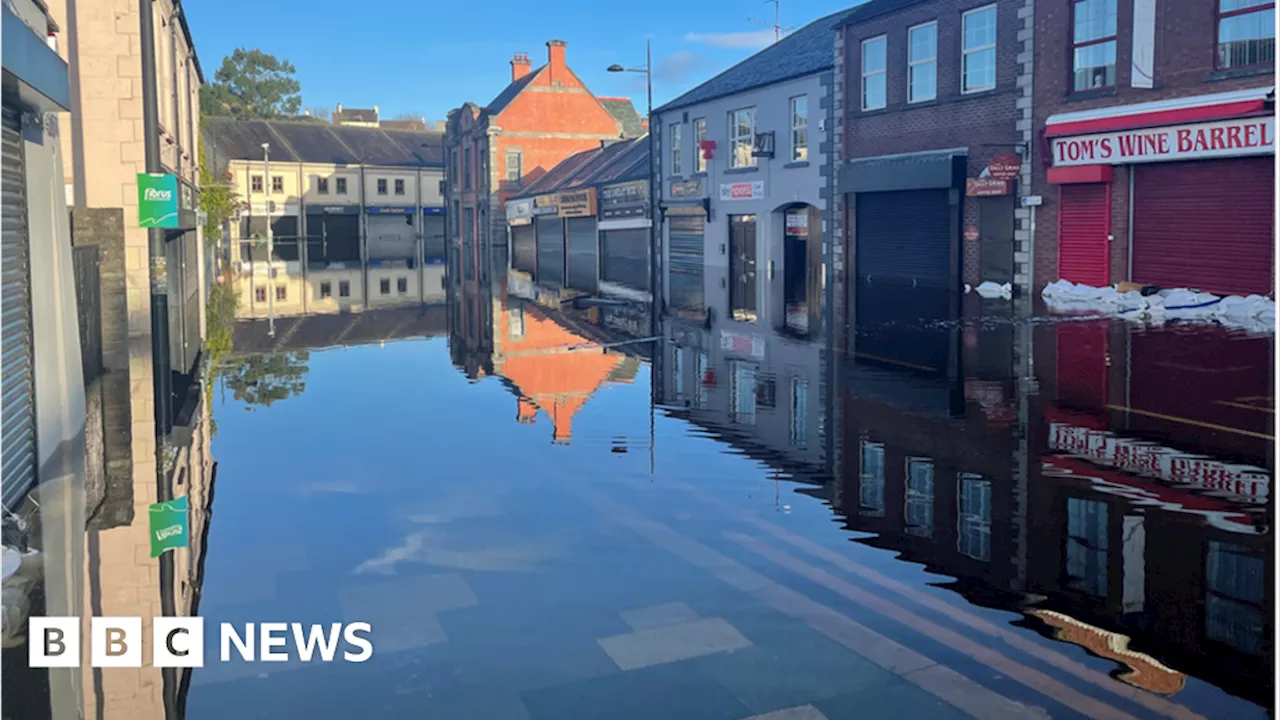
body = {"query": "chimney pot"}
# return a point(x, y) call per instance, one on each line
point(519, 66)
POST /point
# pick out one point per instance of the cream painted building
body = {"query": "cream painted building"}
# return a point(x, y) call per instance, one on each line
point(356, 215)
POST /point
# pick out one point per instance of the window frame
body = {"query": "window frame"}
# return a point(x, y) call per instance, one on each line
point(256, 184)
point(277, 184)
point(402, 285)
point(912, 64)
point(398, 187)
point(282, 293)
point(326, 290)
point(867, 480)
point(1114, 38)
point(260, 294)
point(380, 186)
point(735, 139)
point(518, 166)
point(964, 51)
point(384, 286)
point(675, 138)
point(804, 126)
point(699, 135)
point(340, 186)
point(1218, 15)
point(344, 288)
point(883, 71)
point(322, 185)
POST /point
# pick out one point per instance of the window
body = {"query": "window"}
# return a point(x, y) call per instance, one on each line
point(873, 73)
point(1093, 44)
point(515, 325)
point(799, 128)
point(384, 286)
point(677, 371)
point(673, 137)
point(344, 288)
point(799, 411)
point(922, 63)
point(322, 186)
point(973, 534)
point(399, 187)
point(919, 499)
point(326, 290)
point(1087, 546)
point(402, 285)
point(255, 183)
point(466, 168)
point(742, 135)
point(742, 393)
point(1236, 583)
point(702, 364)
point(260, 294)
point(341, 186)
point(1246, 33)
point(382, 186)
point(277, 183)
point(514, 169)
point(978, 58)
point(871, 483)
point(281, 293)
point(699, 134)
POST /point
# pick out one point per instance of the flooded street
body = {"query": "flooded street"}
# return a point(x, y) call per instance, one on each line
point(976, 516)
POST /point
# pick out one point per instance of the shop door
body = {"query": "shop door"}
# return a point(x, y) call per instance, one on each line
point(742, 267)
point(687, 235)
point(995, 220)
point(582, 255)
point(1205, 225)
point(904, 238)
point(1084, 222)
point(550, 252)
point(17, 414)
point(802, 269)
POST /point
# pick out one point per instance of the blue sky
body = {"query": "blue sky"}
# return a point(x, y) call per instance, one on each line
point(426, 56)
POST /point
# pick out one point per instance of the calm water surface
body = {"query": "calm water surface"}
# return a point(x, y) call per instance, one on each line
point(977, 518)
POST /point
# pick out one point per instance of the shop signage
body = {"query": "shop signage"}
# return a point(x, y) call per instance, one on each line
point(579, 203)
point(798, 223)
point(971, 234)
point(742, 344)
point(545, 210)
point(168, 525)
point(742, 191)
point(986, 187)
point(1143, 458)
point(519, 284)
point(633, 319)
point(157, 201)
point(274, 208)
point(518, 209)
point(1004, 166)
point(627, 200)
point(334, 209)
point(432, 211)
point(1227, 138)
point(1032, 200)
point(686, 188)
point(389, 210)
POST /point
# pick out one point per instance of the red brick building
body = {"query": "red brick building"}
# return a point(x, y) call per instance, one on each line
point(928, 94)
point(1158, 134)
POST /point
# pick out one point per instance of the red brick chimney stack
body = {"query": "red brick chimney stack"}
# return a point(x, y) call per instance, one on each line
point(555, 61)
point(519, 66)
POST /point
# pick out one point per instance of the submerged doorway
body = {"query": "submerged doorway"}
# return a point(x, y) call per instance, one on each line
point(802, 269)
point(742, 267)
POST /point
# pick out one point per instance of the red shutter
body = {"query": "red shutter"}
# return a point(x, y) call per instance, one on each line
point(1082, 365)
point(1084, 221)
point(1205, 225)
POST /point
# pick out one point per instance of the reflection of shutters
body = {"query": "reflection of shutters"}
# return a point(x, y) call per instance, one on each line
point(524, 248)
point(1205, 224)
point(686, 239)
point(582, 254)
point(904, 237)
point(550, 252)
point(333, 238)
point(1084, 219)
point(1082, 365)
point(625, 258)
point(18, 446)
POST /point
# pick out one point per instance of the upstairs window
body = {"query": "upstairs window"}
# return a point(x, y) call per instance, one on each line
point(514, 169)
point(799, 128)
point(322, 186)
point(978, 56)
point(341, 184)
point(673, 137)
point(466, 168)
point(742, 135)
point(399, 187)
point(922, 63)
point(1093, 44)
point(873, 73)
point(277, 183)
point(382, 186)
point(699, 135)
point(255, 183)
point(1246, 33)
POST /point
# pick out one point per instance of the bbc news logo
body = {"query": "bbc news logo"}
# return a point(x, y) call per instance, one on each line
point(179, 642)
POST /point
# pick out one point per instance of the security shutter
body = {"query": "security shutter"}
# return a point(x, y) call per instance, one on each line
point(904, 237)
point(1084, 221)
point(625, 257)
point(550, 252)
point(333, 238)
point(17, 387)
point(583, 254)
point(687, 238)
point(524, 248)
point(1205, 225)
point(1082, 365)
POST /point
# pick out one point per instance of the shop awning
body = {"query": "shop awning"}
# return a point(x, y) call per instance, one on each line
point(1200, 108)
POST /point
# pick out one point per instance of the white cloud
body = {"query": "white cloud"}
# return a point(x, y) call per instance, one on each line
point(678, 66)
point(755, 39)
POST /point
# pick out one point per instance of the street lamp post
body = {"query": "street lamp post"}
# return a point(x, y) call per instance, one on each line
point(271, 271)
point(654, 301)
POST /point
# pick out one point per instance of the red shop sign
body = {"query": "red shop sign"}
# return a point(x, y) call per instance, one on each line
point(1004, 166)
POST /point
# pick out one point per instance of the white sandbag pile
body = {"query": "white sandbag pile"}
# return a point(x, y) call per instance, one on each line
point(1253, 313)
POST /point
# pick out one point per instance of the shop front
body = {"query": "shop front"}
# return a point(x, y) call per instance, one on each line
point(685, 213)
point(567, 255)
point(333, 236)
point(625, 229)
point(523, 236)
point(391, 234)
point(1175, 193)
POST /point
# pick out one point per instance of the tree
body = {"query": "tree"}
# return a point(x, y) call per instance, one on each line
point(263, 379)
point(252, 84)
point(218, 198)
point(320, 113)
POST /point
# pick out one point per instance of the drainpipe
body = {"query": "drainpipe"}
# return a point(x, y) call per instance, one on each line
point(303, 238)
point(364, 243)
point(159, 320)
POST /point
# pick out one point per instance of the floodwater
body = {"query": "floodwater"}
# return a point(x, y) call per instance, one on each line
point(975, 516)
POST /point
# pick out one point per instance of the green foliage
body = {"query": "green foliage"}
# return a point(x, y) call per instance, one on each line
point(220, 319)
point(266, 378)
point(218, 198)
point(252, 84)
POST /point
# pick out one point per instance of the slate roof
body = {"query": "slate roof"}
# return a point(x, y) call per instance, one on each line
point(232, 139)
point(617, 162)
point(510, 92)
point(625, 113)
point(804, 52)
point(403, 124)
point(346, 329)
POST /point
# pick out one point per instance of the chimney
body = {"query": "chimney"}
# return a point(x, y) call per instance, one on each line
point(526, 411)
point(519, 66)
point(557, 70)
point(339, 108)
point(375, 111)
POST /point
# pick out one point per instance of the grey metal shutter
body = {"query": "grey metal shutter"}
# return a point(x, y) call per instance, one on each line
point(687, 235)
point(17, 387)
point(524, 248)
point(582, 252)
point(625, 257)
point(550, 252)
point(904, 237)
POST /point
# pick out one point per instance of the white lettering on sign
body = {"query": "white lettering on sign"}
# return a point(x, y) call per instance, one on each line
point(744, 344)
point(1242, 481)
point(1229, 138)
point(742, 191)
point(152, 194)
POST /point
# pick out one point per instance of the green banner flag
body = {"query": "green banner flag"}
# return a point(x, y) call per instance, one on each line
point(168, 526)
point(157, 201)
